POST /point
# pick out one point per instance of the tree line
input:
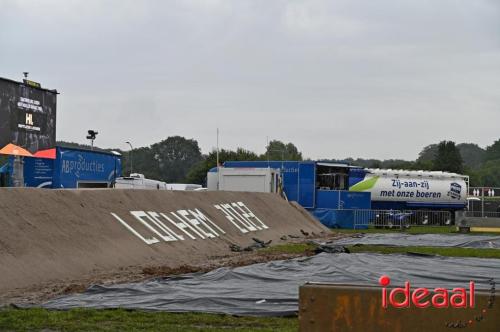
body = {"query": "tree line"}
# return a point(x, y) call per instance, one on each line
point(179, 159)
point(482, 165)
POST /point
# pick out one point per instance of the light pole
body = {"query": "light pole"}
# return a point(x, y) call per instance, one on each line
point(130, 156)
point(218, 170)
point(282, 156)
point(282, 160)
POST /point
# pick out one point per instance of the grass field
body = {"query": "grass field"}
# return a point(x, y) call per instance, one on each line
point(135, 320)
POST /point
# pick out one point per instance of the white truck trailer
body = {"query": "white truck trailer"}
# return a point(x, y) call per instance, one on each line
point(139, 181)
point(265, 180)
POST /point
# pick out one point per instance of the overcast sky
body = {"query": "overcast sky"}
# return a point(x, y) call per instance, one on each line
point(369, 78)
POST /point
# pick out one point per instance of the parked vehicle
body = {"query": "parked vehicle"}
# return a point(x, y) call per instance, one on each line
point(250, 179)
point(139, 181)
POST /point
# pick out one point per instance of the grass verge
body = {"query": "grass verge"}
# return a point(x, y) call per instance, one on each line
point(411, 230)
point(134, 320)
point(443, 251)
point(307, 249)
point(290, 248)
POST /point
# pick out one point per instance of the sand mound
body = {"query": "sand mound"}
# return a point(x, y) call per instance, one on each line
point(51, 235)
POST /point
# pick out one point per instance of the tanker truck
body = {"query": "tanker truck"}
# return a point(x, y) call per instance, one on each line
point(400, 190)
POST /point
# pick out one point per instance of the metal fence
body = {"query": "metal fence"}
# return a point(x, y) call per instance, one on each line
point(400, 219)
point(485, 200)
point(481, 214)
point(484, 192)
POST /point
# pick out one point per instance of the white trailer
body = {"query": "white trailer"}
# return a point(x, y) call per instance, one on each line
point(184, 186)
point(244, 179)
point(139, 181)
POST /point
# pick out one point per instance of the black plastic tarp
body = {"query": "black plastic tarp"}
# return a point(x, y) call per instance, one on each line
point(271, 289)
point(431, 240)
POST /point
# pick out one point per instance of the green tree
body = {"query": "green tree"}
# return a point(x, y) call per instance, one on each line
point(198, 173)
point(397, 164)
point(277, 150)
point(493, 151)
point(427, 154)
point(142, 160)
point(168, 160)
point(487, 175)
point(472, 154)
point(426, 165)
point(448, 158)
point(375, 163)
point(474, 177)
point(174, 157)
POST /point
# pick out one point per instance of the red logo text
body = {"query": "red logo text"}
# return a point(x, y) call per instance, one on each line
point(423, 297)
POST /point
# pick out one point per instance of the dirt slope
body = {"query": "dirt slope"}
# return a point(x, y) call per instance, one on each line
point(57, 235)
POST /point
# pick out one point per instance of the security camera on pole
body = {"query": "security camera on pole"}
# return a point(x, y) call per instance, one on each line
point(91, 136)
